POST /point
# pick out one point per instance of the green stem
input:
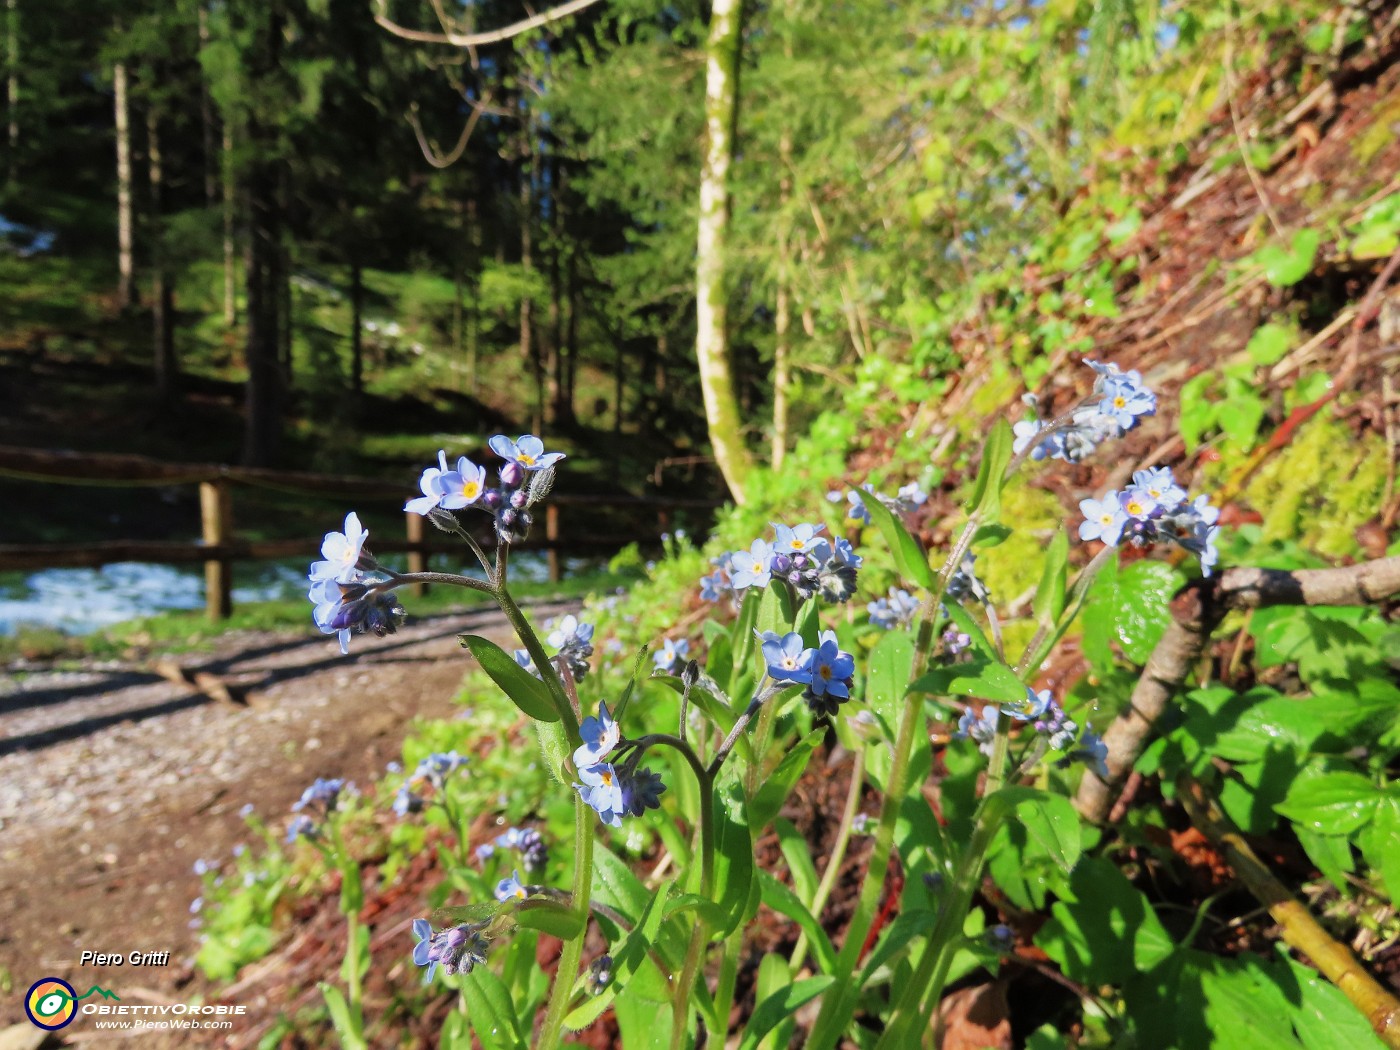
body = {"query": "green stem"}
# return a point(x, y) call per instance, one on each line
point(572, 953)
point(926, 986)
point(541, 660)
point(700, 934)
point(837, 1004)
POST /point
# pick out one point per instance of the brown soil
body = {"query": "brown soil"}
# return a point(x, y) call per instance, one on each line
point(114, 781)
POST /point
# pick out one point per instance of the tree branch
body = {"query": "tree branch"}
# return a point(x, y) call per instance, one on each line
point(490, 36)
point(1197, 610)
point(1299, 929)
point(446, 160)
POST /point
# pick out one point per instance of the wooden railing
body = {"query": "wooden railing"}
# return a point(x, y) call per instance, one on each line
point(219, 547)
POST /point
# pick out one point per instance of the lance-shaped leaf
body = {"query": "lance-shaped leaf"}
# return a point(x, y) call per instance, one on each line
point(991, 475)
point(525, 690)
point(628, 958)
point(984, 679)
point(909, 556)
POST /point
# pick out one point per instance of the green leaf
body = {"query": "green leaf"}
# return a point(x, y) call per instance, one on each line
point(628, 958)
point(549, 916)
point(1284, 267)
point(964, 622)
point(887, 675)
point(991, 475)
point(525, 690)
point(1050, 820)
point(774, 790)
point(341, 1018)
point(1049, 599)
point(985, 679)
point(1269, 343)
point(991, 535)
point(909, 558)
point(775, 608)
point(774, 976)
point(798, 853)
point(1105, 930)
point(783, 901)
point(1333, 803)
point(1129, 606)
point(734, 867)
point(777, 1007)
point(1331, 853)
point(1325, 1019)
point(906, 926)
point(490, 1010)
point(1379, 243)
point(1380, 845)
point(359, 958)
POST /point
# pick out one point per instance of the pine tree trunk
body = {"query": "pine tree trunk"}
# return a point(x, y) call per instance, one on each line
point(167, 369)
point(357, 328)
point(712, 311)
point(206, 119)
point(12, 89)
point(230, 243)
point(474, 313)
point(529, 349)
point(124, 217)
point(263, 422)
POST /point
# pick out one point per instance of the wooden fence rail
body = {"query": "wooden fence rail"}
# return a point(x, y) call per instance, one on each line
point(219, 548)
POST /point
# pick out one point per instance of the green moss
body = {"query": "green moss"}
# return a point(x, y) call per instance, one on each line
point(1379, 135)
point(1014, 567)
point(1321, 517)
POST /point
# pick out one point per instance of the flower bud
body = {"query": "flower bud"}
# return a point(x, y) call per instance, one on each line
point(512, 474)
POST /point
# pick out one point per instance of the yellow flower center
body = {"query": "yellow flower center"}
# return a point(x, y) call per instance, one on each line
point(526, 461)
point(825, 672)
point(1119, 401)
point(470, 489)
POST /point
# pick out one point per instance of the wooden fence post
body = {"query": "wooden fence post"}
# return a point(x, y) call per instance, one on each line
point(216, 517)
point(417, 557)
point(551, 533)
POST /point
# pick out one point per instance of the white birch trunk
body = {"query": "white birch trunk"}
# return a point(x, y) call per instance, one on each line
point(712, 313)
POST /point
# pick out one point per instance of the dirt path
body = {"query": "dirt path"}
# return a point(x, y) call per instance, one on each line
point(114, 781)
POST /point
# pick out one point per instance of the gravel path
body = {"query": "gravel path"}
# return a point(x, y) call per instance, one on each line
point(114, 781)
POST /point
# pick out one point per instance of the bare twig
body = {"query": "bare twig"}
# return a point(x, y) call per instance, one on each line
point(490, 36)
point(452, 156)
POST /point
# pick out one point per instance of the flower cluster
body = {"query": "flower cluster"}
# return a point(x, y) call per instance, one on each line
point(612, 790)
point(323, 796)
point(964, 584)
point(825, 670)
point(344, 590)
point(898, 610)
point(457, 949)
point(523, 480)
point(1154, 507)
point(433, 771)
point(1049, 721)
point(909, 498)
point(528, 842)
point(718, 585)
point(1117, 405)
point(572, 642)
point(806, 561)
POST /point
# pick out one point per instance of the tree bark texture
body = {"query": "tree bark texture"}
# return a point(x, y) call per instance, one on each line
point(167, 369)
point(263, 422)
point(124, 215)
point(712, 310)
